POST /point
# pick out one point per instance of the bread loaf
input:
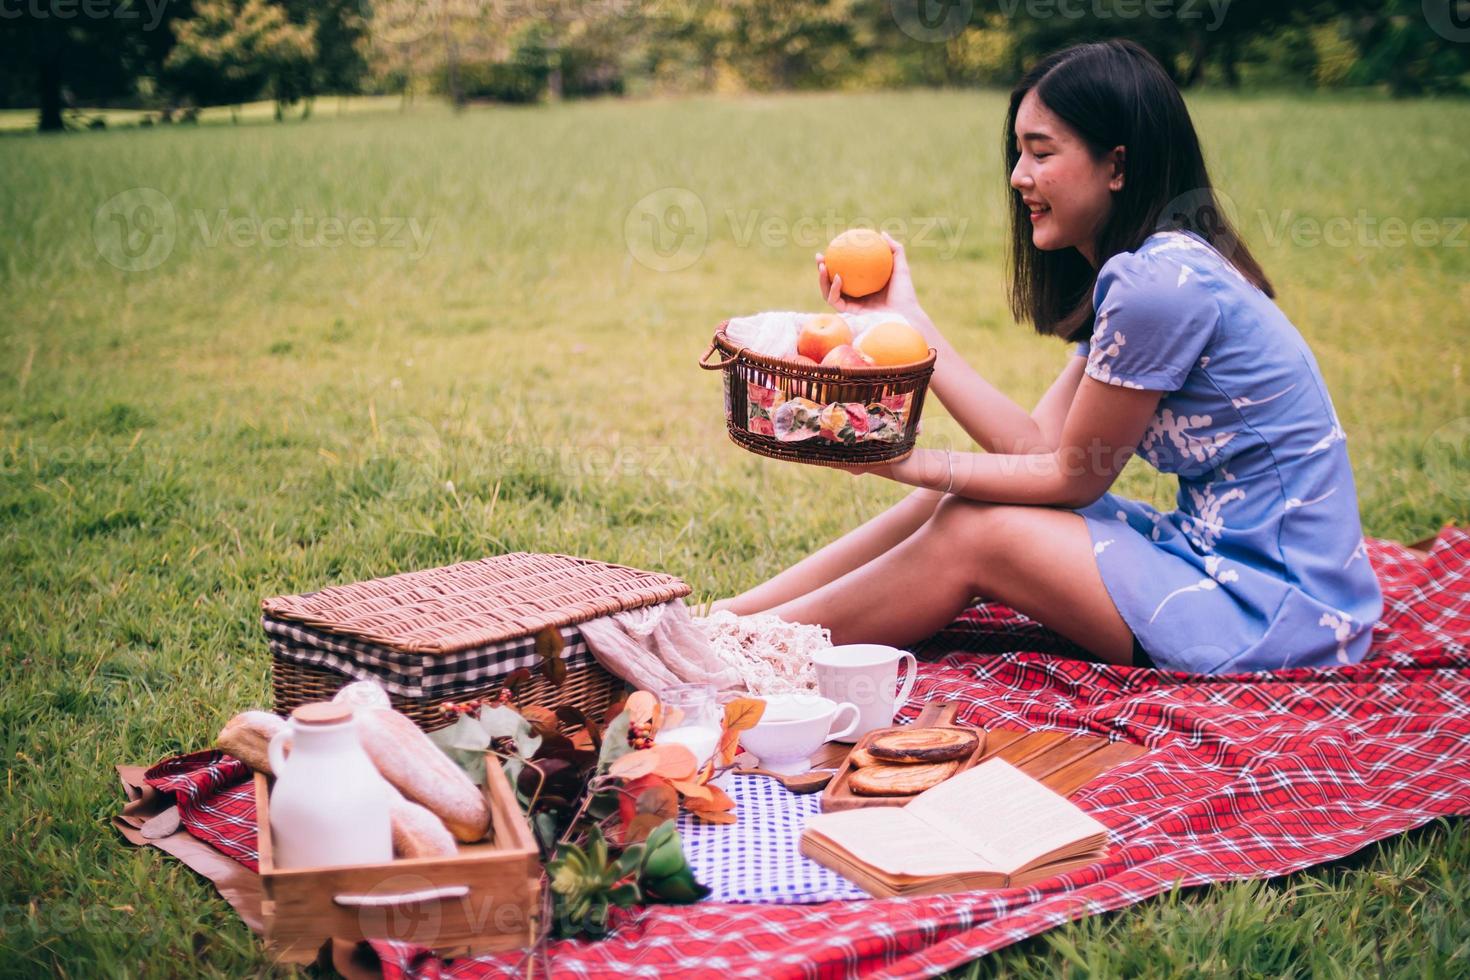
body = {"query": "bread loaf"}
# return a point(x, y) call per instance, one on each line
point(417, 832)
point(923, 745)
point(901, 779)
point(246, 735)
point(363, 694)
point(421, 772)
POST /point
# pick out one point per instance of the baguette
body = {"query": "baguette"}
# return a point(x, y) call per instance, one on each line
point(417, 832)
point(246, 736)
point(363, 694)
point(420, 771)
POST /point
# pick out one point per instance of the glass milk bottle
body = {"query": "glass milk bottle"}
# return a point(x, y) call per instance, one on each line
point(697, 724)
point(329, 805)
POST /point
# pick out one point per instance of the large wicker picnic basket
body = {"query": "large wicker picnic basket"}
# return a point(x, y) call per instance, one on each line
point(755, 383)
point(458, 633)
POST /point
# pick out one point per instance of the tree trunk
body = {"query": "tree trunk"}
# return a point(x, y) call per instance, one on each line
point(50, 82)
point(554, 74)
point(1198, 53)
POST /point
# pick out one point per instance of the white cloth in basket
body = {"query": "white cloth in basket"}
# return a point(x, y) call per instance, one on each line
point(774, 333)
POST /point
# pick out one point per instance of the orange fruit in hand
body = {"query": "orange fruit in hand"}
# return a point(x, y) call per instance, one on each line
point(862, 258)
point(822, 333)
point(893, 343)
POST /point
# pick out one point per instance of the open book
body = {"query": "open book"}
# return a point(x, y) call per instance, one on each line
point(992, 826)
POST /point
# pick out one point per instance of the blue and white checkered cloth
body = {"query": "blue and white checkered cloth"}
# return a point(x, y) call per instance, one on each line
point(757, 858)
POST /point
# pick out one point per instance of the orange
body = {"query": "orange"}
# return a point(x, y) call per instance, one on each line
point(893, 343)
point(862, 258)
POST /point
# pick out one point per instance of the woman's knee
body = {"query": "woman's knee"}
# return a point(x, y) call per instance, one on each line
point(986, 531)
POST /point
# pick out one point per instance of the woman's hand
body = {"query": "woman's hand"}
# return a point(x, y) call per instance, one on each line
point(862, 469)
point(897, 296)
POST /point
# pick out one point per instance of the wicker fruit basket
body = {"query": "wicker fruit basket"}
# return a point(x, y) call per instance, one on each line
point(832, 416)
point(458, 633)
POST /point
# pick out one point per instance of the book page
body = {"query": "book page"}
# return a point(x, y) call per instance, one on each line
point(893, 841)
point(1003, 815)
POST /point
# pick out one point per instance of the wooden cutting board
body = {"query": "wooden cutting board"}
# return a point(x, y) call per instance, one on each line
point(1064, 763)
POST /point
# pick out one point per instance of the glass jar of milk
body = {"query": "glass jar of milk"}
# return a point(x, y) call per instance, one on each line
point(695, 718)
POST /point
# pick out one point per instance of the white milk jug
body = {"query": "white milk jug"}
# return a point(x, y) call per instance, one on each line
point(329, 805)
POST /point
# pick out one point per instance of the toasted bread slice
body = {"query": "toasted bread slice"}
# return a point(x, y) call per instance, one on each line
point(923, 745)
point(899, 780)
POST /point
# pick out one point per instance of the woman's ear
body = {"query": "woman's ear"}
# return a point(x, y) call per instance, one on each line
point(1115, 182)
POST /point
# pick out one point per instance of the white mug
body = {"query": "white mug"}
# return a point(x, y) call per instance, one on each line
point(792, 727)
point(866, 674)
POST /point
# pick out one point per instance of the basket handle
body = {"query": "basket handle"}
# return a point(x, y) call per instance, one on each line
point(720, 366)
point(404, 898)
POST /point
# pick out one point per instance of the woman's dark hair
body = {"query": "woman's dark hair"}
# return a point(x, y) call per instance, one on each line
point(1114, 93)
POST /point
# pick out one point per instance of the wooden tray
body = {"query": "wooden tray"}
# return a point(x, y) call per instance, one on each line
point(1064, 763)
point(485, 898)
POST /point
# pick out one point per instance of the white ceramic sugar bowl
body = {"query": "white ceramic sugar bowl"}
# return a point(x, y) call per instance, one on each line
point(329, 805)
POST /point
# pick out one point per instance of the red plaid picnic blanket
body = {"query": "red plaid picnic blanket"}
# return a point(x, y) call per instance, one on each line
point(1248, 776)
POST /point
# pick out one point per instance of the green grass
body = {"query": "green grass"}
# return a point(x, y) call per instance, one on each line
point(240, 421)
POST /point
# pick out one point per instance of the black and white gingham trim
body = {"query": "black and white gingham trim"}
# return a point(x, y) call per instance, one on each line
point(413, 675)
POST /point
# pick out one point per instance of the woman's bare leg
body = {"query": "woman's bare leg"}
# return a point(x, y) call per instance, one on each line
point(1037, 560)
point(855, 548)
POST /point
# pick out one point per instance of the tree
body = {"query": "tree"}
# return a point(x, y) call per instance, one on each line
point(81, 50)
point(231, 51)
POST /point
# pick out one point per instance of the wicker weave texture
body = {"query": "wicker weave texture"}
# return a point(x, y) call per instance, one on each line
point(823, 385)
point(474, 603)
point(590, 688)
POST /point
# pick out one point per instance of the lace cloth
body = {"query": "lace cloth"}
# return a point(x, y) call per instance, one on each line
point(655, 647)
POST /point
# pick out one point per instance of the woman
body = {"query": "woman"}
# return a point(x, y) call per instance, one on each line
point(1180, 355)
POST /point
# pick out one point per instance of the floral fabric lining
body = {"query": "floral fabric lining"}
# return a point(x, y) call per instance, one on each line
point(771, 412)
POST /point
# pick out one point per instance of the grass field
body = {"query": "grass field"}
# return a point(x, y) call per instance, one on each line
point(495, 355)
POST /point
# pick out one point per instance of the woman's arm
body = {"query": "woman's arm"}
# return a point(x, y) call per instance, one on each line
point(1050, 413)
point(991, 418)
point(1102, 428)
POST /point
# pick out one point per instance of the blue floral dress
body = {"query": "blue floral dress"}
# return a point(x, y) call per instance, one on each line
point(1262, 565)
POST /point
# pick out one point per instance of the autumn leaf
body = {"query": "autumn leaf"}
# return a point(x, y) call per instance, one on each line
point(692, 789)
point(718, 800)
point(640, 827)
point(542, 720)
point(549, 645)
point(674, 761)
point(743, 713)
point(573, 717)
point(628, 798)
point(714, 816)
point(635, 765)
point(740, 714)
point(515, 679)
point(660, 800)
point(641, 707)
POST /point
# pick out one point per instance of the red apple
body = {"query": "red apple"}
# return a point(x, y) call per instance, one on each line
point(846, 356)
point(805, 361)
point(822, 333)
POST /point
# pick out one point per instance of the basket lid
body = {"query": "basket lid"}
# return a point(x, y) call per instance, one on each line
point(476, 603)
